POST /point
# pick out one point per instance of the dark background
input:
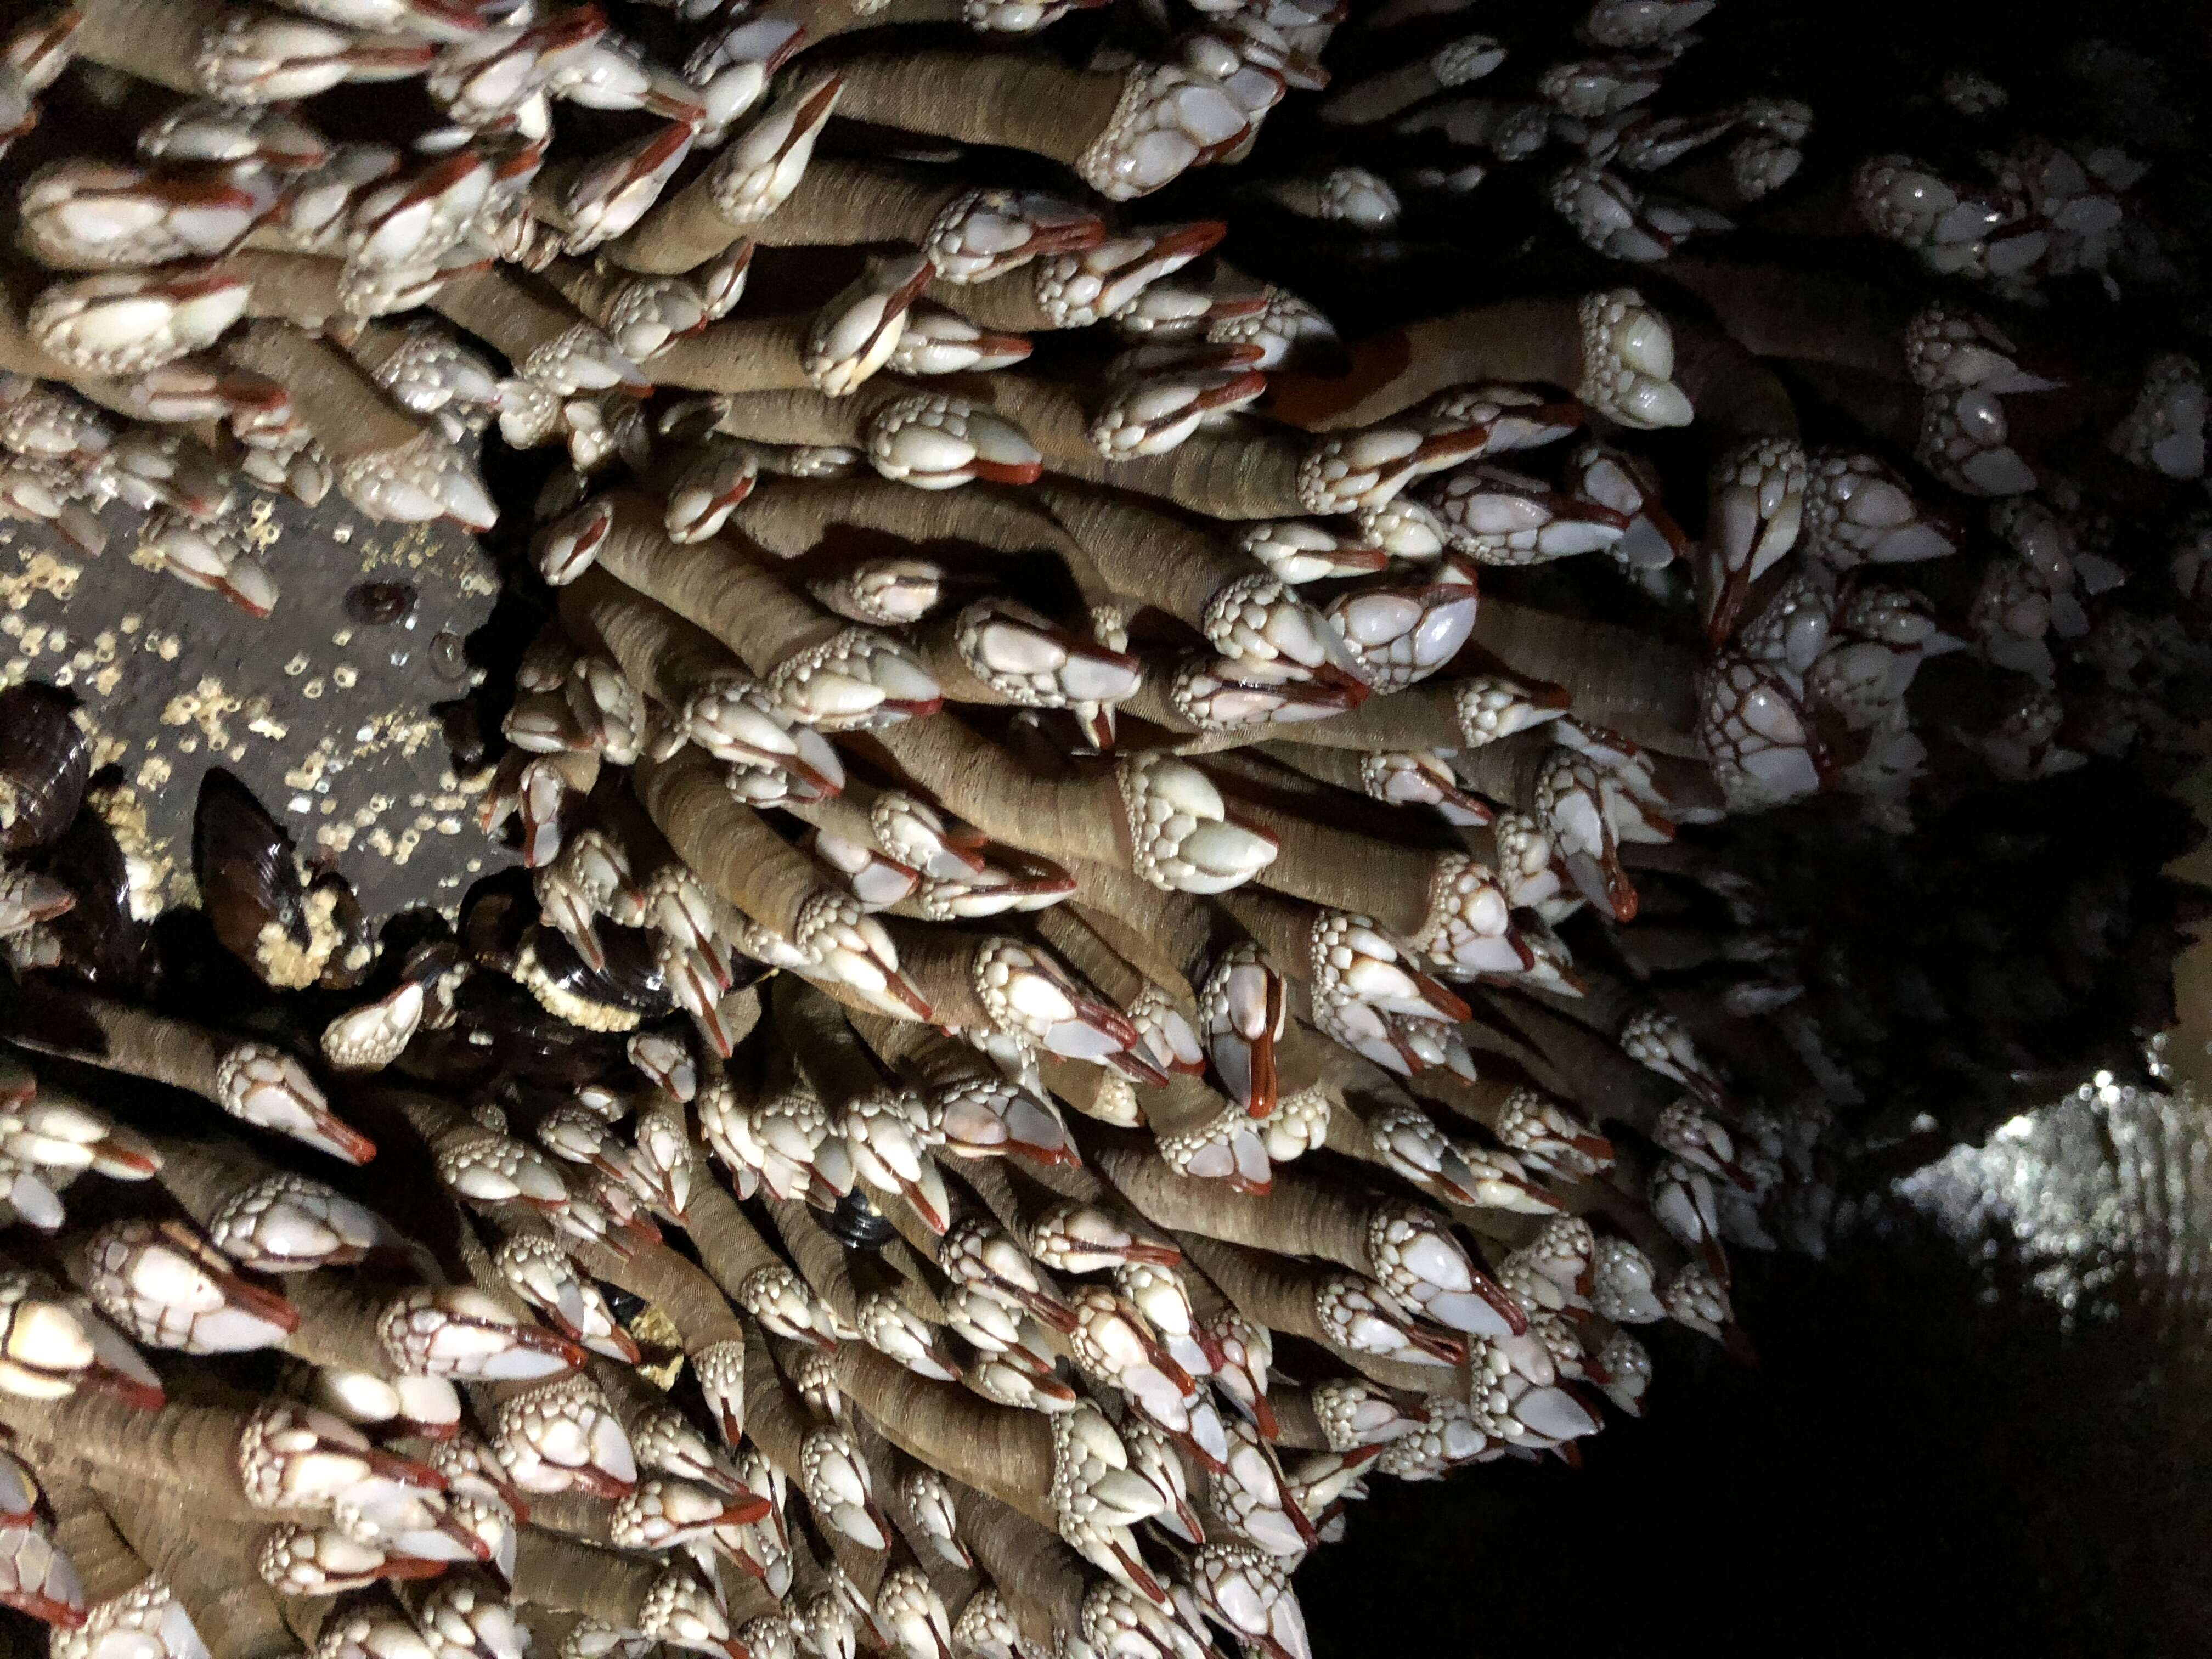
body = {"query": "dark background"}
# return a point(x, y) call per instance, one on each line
point(1957, 1441)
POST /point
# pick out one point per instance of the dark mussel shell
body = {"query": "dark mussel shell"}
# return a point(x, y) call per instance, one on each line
point(856, 1223)
point(500, 930)
point(45, 761)
point(99, 938)
point(416, 945)
point(251, 885)
point(494, 914)
point(293, 930)
point(500, 1035)
point(631, 981)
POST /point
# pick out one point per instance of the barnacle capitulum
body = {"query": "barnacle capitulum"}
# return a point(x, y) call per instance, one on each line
point(1018, 733)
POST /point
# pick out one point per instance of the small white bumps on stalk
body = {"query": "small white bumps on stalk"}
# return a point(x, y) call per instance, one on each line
point(1108, 279)
point(297, 1560)
point(1153, 1457)
point(935, 441)
point(1486, 707)
point(372, 1036)
point(461, 1615)
point(122, 323)
point(757, 171)
point(854, 680)
point(1497, 516)
point(1621, 1283)
point(1256, 619)
point(1296, 552)
point(1168, 120)
point(1157, 397)
point(581, 359)
point(49, 1348)
point(720, 1369)
point(293, 1456)
point(1353, 1413)
point(147, 1619)
point(268, 1088)
point(1255, 1499)
point(1533, 1125)
point(1028, 993)
point(54, 1133)
point(1553, 1270)
point(83, 215)
point(986, 1627)
point(359, 1633)
point(165, 1286)
point(1859, 511)
point(1364, 469)
point(908, 1611)
point(1455, 1434)
point(983, 233)
point(667, 1061)
point(536, 1269)
point(610, 193)
point(1470, 927)
point(1628, 353)
point(1073, 1236)
point(1249, 1595)
point(665, 1511)
point(1180, 829)
point(665, 1163)
point(1358, 1315)
point(1026, 658)
point(1112, 1342)
point(982, 1117)
point(460, 1333)
point(1344, 195)
point(1654, 1038)
point(1096, 1497)
point(488, 1167)
point(835, 1480)
point(929, 1504)
point(1965, 440)
point(1169, 1038)
point(854, 334)
point(1697, 1297)
point(940, 342)
point(1119, 1624)
point(1418, 1261)
point(1623, 1370)
point(778, 1299)
point(2165, 431)
point(563, 1436)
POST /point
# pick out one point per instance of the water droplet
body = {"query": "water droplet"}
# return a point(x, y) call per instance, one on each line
point(448, 661)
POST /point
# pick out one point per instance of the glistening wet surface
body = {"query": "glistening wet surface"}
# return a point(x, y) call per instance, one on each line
point(1982, 1426)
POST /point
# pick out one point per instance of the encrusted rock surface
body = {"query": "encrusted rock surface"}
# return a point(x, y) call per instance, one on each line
point(329, 709)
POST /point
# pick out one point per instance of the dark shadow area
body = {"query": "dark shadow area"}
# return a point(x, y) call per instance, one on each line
point(1933, 1457)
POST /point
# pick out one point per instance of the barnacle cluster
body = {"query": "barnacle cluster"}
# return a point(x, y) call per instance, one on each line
point(1133, 907)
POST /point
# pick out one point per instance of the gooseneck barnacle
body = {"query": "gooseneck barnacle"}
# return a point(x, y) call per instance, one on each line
point(1033, 734)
